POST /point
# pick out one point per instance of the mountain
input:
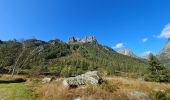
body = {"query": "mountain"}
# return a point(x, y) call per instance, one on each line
point(55, 57)
point(127, 53)
point(164, 54)
point(147, 55)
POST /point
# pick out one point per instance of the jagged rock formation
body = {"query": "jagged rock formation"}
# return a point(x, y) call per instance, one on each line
point(91, 77)
point(127, 53)
point(87, 39)
point(148, 56)
point(164, 54)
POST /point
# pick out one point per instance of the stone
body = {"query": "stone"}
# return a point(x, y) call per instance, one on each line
point(127, 53)
point(72, 40)
point(91, 77)
point(87, 39)
point(164, 54)
point(136, 95)
point(78, 98)
point(47, 80)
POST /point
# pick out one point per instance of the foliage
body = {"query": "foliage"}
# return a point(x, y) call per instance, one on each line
point(157, 72)
point(159, 95)
point(56, 57)
point(108, 86)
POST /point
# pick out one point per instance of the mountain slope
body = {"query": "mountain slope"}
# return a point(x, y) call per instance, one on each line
point(164, 54)
point(56, 57)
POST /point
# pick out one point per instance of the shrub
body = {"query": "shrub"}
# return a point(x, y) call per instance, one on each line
point(159, 95)
point(109, 87)
point(157, 72)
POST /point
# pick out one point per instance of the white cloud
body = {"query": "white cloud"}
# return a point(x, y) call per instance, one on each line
point(144, 40)
point(118, 46)
point(165, 32)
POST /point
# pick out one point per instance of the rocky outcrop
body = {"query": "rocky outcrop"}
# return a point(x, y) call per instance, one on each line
point(88, 39)
point(164, 54)
point(127, 53)
point(148, 55)
point(91, 77)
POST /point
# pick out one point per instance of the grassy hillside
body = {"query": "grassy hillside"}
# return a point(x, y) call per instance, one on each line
point(58, 58)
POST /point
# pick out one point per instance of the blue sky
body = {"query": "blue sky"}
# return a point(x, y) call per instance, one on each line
point(139, 25)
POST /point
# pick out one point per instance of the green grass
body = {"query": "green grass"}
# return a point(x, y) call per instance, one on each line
point(16, 91)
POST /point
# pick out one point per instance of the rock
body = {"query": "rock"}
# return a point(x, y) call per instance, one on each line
point(127, 53)
point(47, 80)
point(87, 39)
point(78, 98)
point(91, 77)
point(164, 54)
point(58, 80)
point(148, 55)
point(72, 40)
point(136, 95)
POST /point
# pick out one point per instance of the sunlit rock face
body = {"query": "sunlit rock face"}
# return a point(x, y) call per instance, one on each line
point(148, 55)
point(127, 53)
point(87, 39)
point(164, 54)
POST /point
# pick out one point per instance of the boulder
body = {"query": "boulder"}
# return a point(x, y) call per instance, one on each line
point(91, 77)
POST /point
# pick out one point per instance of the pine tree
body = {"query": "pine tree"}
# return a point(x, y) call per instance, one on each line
point(157, 72)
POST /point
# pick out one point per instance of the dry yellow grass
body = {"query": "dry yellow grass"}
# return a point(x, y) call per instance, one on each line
point(56, 91)
point(127, 85)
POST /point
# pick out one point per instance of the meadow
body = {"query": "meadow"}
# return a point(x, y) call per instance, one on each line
point(116, 88)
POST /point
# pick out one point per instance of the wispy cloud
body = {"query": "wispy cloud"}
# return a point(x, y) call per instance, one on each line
point(165, 32)
point(144, 40)
point(118, 46)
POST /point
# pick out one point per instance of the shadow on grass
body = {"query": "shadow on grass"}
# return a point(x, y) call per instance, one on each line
point(19, 80)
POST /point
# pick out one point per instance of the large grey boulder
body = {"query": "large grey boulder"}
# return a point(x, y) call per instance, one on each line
point(91, 77)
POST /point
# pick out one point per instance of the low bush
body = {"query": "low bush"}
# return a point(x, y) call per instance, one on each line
point(159, 95)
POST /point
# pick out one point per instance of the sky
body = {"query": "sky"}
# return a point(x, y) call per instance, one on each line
point(139, 25)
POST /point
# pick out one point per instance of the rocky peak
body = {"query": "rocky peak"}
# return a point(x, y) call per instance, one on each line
point(148, 55)
point(87, 39)
point(164, 54)
point(127, 52)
